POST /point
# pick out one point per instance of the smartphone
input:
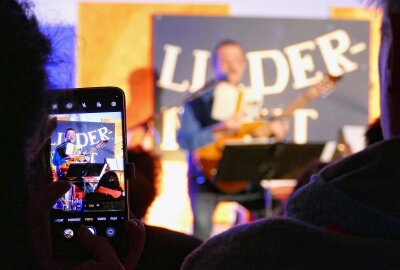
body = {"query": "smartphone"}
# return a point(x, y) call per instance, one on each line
point(88, 149)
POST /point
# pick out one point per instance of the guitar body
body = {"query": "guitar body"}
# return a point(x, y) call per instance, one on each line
point(62, 170)
point(209, 155)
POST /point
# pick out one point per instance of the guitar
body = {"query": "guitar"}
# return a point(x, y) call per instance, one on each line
point(208, 156)
point(81, 157)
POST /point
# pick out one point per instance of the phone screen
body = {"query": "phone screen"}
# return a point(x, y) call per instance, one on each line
point(88, 150)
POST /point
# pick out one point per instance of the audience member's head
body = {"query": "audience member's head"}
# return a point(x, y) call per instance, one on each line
point(109, 186)
point(144, 188)
point(311, 168)
point(23, 55)
point(109, 180)
point(374, 134)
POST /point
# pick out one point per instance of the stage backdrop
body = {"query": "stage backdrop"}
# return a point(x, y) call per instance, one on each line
point(285, 58)
point(114, 48)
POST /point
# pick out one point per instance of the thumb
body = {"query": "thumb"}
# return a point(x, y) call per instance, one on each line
point(136, 231)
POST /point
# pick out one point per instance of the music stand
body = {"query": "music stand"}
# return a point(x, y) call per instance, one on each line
point(256, 162)
point(81, 170)
point(78, 172)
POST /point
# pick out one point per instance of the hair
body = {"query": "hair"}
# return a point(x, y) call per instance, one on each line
point(68, 129)
point(24, 52)
point(313, 167)
point(223, 43)
point(374, 133)
point(143, 189)
point(109, 180)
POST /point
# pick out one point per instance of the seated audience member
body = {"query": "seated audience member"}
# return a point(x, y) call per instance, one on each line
point(284, 243)
point(27, 192)
point(374, 134)
point(313, 167)
point(108, 191)
point(109, 186)
point(347, 216)
point(144, 188)
point(164, 248)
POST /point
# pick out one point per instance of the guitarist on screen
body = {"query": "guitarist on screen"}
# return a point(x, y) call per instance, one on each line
point(68, 152)
point(64, 152)
point(202, 124)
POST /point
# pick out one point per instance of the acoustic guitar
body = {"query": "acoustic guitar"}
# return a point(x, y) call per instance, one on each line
point(81, 157)
point(208, 156)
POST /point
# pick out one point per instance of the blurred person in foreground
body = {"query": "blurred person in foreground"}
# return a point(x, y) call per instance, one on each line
point(27, 191)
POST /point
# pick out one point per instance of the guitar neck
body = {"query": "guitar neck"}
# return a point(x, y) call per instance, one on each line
point(300, 102)
point(94, 149)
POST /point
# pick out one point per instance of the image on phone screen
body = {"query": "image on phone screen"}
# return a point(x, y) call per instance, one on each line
point(88, 150)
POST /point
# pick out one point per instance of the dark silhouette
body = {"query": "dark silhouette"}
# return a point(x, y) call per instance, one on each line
point(164, 248)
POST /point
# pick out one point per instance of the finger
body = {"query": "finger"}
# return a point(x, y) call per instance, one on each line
point(101, 249)
point(52, 192)
point(49, 128)
point(136, 231)
point(55, 191)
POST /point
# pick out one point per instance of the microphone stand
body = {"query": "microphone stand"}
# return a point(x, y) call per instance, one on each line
point(207, 87)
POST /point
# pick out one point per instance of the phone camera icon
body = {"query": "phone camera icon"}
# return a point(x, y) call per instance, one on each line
point(68, 233)
point(69, 105)
point(110, 232)
point(113, 103)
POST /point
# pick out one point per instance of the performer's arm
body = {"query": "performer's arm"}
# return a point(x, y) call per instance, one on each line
point(57, 160)
point(191, 135)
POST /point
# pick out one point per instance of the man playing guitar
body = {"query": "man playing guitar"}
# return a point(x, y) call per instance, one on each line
point(64, 153)
point(200, 127)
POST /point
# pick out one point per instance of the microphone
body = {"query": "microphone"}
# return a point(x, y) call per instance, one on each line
point(220, 77)
point(208, 86)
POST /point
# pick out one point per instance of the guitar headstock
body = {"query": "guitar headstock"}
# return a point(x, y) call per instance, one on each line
point(101, 144)
point(325, 86)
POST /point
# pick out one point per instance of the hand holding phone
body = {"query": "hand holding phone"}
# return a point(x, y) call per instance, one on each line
point(100, 249)
point(88, 150)
point(43, 197)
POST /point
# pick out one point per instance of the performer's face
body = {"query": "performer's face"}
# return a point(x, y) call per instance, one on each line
point(231, 62)
point(70, 136)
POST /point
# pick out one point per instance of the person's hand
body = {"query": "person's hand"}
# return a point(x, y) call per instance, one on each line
point(279, 129)
point(104, 254)
point(230, 126)
point(276, 129)
point(43, 194)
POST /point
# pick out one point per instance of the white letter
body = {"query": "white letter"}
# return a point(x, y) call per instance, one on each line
point(92, 138)
point(257, 73)
point(60, 138)
point(336, 63)
point(168, 70)
point(170, 125)
point(300, 123)
point(199, 69)
point(79, 137)
point(103, 131)
point(301, 64)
